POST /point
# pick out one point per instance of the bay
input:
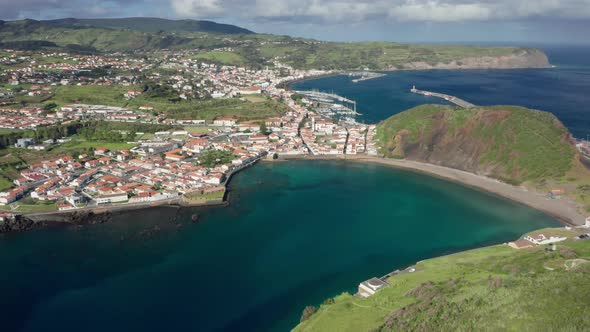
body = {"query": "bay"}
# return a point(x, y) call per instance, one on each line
point(563, 90)
point(294, 234)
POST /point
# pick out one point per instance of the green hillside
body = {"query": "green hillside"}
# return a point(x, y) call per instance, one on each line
point(256, 50)
point(510, 143)
point(377, 55)
point(490, 289)
point(149, 24)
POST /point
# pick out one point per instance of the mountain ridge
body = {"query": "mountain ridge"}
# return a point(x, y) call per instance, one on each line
point(256, 50)
point(139, 24)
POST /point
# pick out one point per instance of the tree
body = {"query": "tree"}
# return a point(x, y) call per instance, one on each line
point(263, 128)
point(213, 158)
point(49, 106)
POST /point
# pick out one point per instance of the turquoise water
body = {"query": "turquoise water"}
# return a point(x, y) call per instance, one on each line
point(294, 234)
point(563, 90)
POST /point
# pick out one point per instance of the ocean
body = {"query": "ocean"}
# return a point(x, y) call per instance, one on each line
point(563, 90)
point(294, 233)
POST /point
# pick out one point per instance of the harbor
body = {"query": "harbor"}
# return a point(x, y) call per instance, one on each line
point(332, 105)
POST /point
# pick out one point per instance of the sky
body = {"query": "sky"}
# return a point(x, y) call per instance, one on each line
point(485, 21)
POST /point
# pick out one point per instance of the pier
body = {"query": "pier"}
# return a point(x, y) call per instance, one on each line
point(452, 99)
point(365, 76)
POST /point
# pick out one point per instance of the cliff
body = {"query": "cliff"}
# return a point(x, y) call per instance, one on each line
point(525, 58)
point(490, 289)
point(513, 144)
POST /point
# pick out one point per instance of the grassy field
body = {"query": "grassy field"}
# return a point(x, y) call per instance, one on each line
point(223, 58)
point(8, 131)
point(197, 129)
point(490, 289)
point(91, 94)
point(72, 148)
point(253, 108)
point(206, 197)
point(5, 183)
point(92, 144)
point(46, 206)
point(242, 110)
point(255, 98)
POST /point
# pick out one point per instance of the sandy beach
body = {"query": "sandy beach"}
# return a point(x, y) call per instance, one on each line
point(563, 209)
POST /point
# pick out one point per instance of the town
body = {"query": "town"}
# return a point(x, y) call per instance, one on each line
point(190, 161)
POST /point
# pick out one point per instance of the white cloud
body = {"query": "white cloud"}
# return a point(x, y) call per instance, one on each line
point(308, 11)
point(400, 10)
point(440, 12)
point(197, 8)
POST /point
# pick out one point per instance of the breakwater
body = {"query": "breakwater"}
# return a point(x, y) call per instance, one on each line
point(451, 99)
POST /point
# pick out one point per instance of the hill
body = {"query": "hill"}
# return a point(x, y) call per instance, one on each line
point(148, 24)
point(392, 56)
point(242, 47)
point(513, 144)
point(496, 288)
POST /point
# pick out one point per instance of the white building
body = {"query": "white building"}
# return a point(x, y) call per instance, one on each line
point(224, 122)
point(370, 287)
point(540, 239)
point(111, 198)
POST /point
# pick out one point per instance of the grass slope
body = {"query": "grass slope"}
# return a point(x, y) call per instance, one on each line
point(150, 24)
point(251, 108)
point(514, 144)
point(222, 58)
point(256, 50)
point(490, 289)
point(377, 55)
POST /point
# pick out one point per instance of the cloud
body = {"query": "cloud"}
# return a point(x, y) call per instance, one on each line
point(399, 10)
point(198, 8)
point(307, 11)
point(441, 12)
point(49, 9)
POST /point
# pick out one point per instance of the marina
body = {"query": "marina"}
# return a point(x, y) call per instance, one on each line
point(332, 105)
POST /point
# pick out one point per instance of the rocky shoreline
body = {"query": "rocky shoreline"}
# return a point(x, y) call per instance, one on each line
point(22, 223)
point(82, 217)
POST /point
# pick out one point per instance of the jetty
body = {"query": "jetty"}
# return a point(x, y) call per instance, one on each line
point(365, 76)
point(452, 99)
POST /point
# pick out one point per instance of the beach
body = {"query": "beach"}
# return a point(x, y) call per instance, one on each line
point(562, 209)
